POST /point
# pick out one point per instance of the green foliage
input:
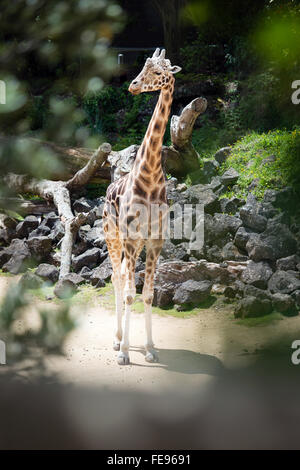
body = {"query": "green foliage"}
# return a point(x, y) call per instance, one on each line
point(121, 117)
point(247, 158)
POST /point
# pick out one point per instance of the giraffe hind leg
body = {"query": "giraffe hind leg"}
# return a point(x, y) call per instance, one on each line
point(115, 252)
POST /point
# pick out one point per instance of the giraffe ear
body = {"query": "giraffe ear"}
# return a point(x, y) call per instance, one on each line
point(175, 69)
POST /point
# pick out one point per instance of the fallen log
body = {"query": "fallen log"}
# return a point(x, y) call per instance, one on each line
point(58, 192)
point(179, 159)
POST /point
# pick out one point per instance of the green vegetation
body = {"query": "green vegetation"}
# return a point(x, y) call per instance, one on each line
point(265, 320)
point(272, 159)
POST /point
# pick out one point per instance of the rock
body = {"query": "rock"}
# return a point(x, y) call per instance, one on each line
point(267, 160)
point(296, 297)
point(47, 272)
point(288, 263)
point(90, 258)
point(210, 168)
point(252, 291)
point(163, 297)
point(7, 221)
point(280, 239)
point(259, 251)
point(220, 228)
point(39, 247)
point(17, 255)
point(222, 154)
point(214, 254)
point(181, 187)
point(41, 231)
point(7, 235)
point(30, 280)
point(275, 242)
point(80, 247)
point(86, 273)
point(57, 232)
point(4, 257)
point(192, 293)
point(229, 292)
point(257, 274)
point(202, 194)
point(254, 183)
point(171, 251)
point(217, 289)
point(230, 206)
point(284, 304)
point(75, 278)
point(252, 219)
point(229, 177)
point(283, 282)
point(283, 199)
point(50, 219)
point(82, 205)
point(102, 272)
point(230, 252)
point(216, 184)
point(65, 288)
point(242, 237)
point(26, 226)
point(251, 307)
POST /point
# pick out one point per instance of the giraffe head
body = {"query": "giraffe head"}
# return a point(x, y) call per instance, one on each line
point(155, 75)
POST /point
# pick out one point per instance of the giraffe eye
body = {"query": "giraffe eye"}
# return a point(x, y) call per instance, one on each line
point(157, 73)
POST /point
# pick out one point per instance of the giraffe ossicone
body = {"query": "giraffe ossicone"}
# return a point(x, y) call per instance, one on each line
point(136, 192)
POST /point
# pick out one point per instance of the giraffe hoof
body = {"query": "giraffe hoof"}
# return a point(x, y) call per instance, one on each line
point(151, 356)
point(116, 346)
point(123, 359)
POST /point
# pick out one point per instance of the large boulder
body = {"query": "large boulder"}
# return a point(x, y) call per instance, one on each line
point(283, 282)
point(170, 251)
point(241, 238)
point(65, 288)
point(18, 257)
point(47, 272)
point(275, 242)
point(102, 272)
point(284, 304)
point(39, 247)
point(171, 275)
point(220, 229)
point(230, 177)
point(252, 291)
point(252, 219)
point(41, 231)
point(230, 206)
point(288, 264)
point(257, 274)
point(75, 278)
point(90, 258)
point(30, 280)
point(26, 226)
point(251, 307)
point(202, 194)
point(222, 154)
point(192, 293)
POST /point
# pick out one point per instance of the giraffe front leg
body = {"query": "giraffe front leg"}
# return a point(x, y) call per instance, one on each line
point(131, 254)
point(153, 252)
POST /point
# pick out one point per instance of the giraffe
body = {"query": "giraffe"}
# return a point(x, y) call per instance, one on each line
point(143, 186)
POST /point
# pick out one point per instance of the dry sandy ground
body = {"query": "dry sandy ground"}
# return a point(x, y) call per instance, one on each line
point(192, 350)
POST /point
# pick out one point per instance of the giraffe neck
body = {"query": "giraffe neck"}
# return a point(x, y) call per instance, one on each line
point(149, 156)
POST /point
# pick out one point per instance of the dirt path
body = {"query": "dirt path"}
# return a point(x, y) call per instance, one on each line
point(192, 350)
